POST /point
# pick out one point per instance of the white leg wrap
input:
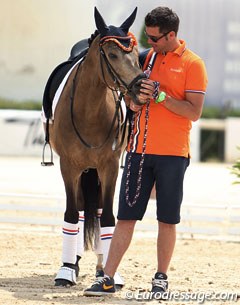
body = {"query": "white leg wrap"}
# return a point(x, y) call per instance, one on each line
point(118, 279)
point(70, 234)
point(80, 238)
point(103, 245)
point(68, 274)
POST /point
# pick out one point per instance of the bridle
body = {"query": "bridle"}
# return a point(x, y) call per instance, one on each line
point(118, 92)
point(120, 83)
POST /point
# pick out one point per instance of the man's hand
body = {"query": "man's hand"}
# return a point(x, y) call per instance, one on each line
point(147, 90)
point(134, 107)
point(131, 104)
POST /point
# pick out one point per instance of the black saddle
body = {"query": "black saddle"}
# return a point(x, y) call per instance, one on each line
point(78, 51)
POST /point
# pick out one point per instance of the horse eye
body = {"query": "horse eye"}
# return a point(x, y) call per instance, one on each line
point(112, 56)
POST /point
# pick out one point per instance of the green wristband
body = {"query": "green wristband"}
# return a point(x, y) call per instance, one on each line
point(161, 97)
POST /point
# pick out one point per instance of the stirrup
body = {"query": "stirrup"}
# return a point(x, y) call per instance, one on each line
point(49, 163)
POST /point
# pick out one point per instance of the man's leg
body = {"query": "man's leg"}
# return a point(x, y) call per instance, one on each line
point(170, 172)
point(165, 245)
point(120, 242)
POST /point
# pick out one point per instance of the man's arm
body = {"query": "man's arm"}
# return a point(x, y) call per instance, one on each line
point(190, 108)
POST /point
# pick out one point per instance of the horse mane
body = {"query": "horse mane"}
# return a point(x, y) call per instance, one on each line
point(92, 37)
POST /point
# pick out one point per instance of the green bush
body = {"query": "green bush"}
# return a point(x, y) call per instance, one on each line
point(22, 105)
point(214, 112)
point(236, 170)
point(209, 112)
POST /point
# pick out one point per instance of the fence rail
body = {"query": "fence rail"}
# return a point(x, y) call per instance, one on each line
point(221, 221)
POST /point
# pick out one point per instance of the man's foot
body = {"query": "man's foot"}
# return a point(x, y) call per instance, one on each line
point(159, 285)
point(102, 286)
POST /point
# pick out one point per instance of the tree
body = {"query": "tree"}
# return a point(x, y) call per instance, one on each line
point(143, 39)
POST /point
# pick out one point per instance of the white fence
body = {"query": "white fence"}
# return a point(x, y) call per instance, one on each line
point(217, 222)
point(22, 134)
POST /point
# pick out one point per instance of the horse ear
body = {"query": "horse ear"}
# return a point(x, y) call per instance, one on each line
point(129, 21)
point(100, 23)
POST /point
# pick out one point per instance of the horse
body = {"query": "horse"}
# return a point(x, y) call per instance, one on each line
point(86, 130)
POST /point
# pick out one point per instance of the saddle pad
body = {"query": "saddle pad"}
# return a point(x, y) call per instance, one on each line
point(58, 94)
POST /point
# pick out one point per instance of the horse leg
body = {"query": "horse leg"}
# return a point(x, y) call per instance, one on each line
point(69, 270)
point(80, 239)
point(98, 248)
point(102, 244)
point(91, 192)
point(108, 177)
point(88, 192)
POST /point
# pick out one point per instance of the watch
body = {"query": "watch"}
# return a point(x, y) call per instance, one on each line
point(161, 97)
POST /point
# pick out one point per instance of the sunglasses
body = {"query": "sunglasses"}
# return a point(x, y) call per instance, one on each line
point(154, 38)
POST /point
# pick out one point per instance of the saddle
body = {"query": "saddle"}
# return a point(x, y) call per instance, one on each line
point(78, 51)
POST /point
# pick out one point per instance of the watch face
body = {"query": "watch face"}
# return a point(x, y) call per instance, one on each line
point(161, 97)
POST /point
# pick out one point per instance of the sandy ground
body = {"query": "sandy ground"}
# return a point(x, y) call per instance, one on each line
point(29, 261)
point(30, 256)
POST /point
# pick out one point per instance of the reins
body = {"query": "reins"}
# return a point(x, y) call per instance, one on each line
point(83, 141)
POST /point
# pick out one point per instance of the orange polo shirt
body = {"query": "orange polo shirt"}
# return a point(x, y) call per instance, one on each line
point(178, 72)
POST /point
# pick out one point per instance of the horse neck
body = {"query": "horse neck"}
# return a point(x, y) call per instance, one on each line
point(94, 96)
point(89, 72)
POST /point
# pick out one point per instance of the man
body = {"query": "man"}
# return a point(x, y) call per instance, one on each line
point(158, 151)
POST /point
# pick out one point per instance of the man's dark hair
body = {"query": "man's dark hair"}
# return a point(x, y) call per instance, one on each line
point(164, 18)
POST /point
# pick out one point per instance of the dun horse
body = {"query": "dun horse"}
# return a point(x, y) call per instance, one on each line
point(85, 130)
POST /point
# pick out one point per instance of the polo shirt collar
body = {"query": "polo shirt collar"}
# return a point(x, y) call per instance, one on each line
point(180, 50)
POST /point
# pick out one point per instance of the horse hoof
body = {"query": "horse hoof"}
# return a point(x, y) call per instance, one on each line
point(118, 287)
point(63, 283)
point(119, 282)
point(66, 277)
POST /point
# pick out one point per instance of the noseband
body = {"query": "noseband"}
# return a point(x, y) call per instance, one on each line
point(121, 85)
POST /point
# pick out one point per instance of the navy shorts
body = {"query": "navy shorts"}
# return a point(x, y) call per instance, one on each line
point(167, 172)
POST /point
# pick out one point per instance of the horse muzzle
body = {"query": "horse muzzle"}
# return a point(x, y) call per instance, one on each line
point(134, 89)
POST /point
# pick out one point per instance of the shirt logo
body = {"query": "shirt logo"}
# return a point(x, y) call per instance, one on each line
point(179, 70)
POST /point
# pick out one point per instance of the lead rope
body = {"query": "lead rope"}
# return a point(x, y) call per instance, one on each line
point(139, 179)
point(128, 162)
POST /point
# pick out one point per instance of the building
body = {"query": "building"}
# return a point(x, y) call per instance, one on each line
point(37, 35)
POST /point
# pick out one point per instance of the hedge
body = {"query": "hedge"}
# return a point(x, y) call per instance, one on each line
point(22, 105)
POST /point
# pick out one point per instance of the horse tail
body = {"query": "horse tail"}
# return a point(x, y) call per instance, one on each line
point(91, 189)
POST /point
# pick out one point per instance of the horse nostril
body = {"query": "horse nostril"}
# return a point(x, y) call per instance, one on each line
point(135, 85)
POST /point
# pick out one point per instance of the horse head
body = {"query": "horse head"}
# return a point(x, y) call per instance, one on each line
point(119, 56)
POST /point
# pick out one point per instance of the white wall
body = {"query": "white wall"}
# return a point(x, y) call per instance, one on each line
point(35, 37)
point(232, 139)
